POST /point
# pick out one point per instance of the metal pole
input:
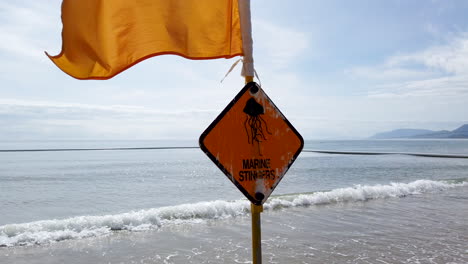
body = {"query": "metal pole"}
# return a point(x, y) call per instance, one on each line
point(256, 221)
point(256, 233)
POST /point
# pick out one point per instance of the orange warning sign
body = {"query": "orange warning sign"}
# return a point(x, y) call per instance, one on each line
point(252, 143)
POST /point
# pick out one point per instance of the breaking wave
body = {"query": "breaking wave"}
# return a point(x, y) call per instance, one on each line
point(47, 231)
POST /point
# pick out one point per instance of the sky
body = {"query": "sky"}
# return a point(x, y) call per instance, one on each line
point(336, 70)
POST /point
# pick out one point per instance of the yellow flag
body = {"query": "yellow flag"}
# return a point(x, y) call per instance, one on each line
point(102, 38)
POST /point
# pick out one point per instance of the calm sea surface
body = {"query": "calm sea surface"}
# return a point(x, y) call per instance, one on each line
point(175, 206)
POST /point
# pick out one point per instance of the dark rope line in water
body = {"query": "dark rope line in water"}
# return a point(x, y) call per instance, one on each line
point(432, 155)
point(93, 149)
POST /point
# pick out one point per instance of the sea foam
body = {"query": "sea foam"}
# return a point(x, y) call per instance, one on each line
point(47, 231)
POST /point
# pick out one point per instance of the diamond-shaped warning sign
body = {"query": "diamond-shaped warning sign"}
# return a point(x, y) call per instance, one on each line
point(252, 143)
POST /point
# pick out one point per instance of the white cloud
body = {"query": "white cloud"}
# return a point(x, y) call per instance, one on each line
point(436, 71)
point(453, 86)
point(385, 73)
point(279, 45)
point(49, 120)
point(22, 29)
point(450, 58)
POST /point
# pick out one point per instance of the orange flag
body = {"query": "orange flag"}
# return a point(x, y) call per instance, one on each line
point(102, 38)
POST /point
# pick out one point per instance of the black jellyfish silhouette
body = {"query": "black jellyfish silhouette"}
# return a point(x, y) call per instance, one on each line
point(254, 123)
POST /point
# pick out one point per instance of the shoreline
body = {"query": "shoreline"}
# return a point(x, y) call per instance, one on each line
point(394, 230)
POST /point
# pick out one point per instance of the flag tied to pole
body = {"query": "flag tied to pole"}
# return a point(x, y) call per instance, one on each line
point(101, 38)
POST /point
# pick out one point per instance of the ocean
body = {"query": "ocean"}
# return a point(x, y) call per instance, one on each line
point(176, 206)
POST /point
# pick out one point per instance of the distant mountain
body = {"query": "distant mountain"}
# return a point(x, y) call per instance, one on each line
point(435, 134)
point(401, 133)
point(461, 132)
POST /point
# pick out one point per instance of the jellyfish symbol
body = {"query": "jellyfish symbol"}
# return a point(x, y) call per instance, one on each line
point(254, 123)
